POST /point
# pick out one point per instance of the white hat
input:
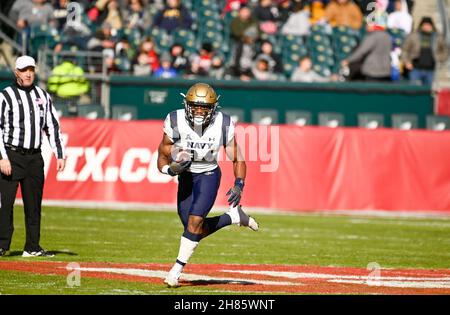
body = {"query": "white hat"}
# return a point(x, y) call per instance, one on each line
point(25, 61)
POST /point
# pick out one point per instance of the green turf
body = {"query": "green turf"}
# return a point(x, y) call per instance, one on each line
point(79, 235)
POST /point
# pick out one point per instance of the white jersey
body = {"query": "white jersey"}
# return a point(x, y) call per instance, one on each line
point(203, 146)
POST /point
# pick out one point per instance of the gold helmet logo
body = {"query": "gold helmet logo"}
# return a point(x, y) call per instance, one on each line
point(201, 93)
point(200, 103)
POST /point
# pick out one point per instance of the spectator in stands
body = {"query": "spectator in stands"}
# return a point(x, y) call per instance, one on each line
point(371, 59)
point(36, 14)
point(147, 59)
point(261, 69)
point(135, 16)
point(400, 18)
point(217, 70)
point(113, 15)
point(298, 22)
point(173, 16)
point(317, 12)
point(379, 15)
point(68, 81)
point(123, 55)
point(60, 13)
point(103, 39)
point(243, 55)
point(179, 61)
point(409, 4)
point(165, 71)
point(344, 13)
point(233, 5)
point(201, 62)
point(305, 73)
point(422, 50)
point(241, 23)
point(75, 34)
point(17, 7)
point(267, 15)
point(274, 59)
point(284, 9)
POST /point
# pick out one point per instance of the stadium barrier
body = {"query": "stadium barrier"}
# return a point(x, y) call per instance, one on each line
point(289, 168)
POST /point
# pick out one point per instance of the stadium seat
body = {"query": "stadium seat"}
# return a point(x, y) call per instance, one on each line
point(331, 119)
point(437, 123)
point(91, 111)
point(264, 116)
point(237, 114)
point(299, 117)
point(404, 121)
point(370, 120)
point(124, 112)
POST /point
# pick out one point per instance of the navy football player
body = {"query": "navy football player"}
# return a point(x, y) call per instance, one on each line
point(189, 149)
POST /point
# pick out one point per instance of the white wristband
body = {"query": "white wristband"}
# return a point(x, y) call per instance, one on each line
point(165, 169)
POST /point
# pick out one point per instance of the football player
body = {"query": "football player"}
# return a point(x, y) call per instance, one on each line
point(189, 149)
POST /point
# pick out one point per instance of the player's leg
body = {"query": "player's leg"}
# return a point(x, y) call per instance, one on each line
point(32, 188)
point(201, 196)
point(8, 189)
point(185, 199)
point(207, 189)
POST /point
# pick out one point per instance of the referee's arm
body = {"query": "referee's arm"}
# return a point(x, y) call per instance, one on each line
point(54, 134)
point(5, 164)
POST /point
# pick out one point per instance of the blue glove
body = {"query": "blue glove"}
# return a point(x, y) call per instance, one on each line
point(177, 168)
point(236, 192)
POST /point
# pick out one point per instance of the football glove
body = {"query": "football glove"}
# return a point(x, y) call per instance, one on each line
point(235, 192)
point(177, 168)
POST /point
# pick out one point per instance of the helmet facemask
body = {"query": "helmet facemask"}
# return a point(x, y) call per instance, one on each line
point(199, 114)
point(200, 105)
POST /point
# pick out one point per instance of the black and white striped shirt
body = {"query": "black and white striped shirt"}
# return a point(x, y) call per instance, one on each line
point(25, 113)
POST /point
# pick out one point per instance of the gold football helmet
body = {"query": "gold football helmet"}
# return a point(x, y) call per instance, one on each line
point(200, 103)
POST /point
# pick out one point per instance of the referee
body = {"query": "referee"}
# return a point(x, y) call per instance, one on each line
point(26, 112)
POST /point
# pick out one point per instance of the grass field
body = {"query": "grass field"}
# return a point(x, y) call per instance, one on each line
point(150, 237)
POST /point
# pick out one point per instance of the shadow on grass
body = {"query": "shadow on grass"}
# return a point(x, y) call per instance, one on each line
point(215, 282)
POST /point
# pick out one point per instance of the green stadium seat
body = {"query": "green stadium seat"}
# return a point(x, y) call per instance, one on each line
point(404, 121)
point(237, 114)
point(437, 123)
point(331, 119)
point(299, 117)
point(91, 111)
point(264, 116)
point(370, 120)
point(124, 112)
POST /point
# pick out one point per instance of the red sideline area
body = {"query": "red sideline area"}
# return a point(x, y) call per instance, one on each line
point(290, 168)
point(256, 278)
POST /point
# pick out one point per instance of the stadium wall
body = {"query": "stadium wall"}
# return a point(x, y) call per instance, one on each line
point(153, 98)
point(290, 168)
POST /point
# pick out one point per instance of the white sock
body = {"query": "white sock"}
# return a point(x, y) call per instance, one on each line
point(187, 248)
point(234, 215)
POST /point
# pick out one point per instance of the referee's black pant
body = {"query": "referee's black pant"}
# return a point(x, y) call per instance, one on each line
point(28, 170)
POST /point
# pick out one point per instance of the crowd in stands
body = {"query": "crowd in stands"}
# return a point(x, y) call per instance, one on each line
point(297, 40)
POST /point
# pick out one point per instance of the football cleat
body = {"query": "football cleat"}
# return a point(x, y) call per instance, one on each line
point(40, 253)
point(239, 217)
point(172, 279)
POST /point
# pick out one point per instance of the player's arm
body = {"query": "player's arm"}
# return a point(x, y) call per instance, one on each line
point(240, 171)
point(165, 163)
point(164, 152)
